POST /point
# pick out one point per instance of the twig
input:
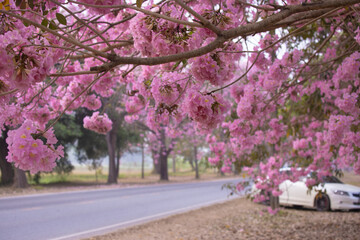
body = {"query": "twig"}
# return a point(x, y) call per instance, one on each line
point(69, 104)
point(84, 23)
point(65, 74)
point(186, 23)
point(9, 92)
point(67, 39)
point(48, 85)
point(203, 20)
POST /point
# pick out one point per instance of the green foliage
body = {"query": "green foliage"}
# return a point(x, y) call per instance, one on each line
point(63, 166)
point(68, 130)
point(91, 145)
point(127, 134)
point(45, 22)
point(52, 25)
point(139, 3)
point(61, 18)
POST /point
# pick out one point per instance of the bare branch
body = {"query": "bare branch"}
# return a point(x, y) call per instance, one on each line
point(67, 39)
point(226, 35)
point(203, 20)
point(147, 12)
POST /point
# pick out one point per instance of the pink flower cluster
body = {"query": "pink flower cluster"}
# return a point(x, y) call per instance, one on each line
point(134, 104)
point(348, 70)
point(92, 102)
point(32, 154)
point(348, 104)
point(338, 125)
point(101, 2)
point(215, 68)
point(278, 129)
point(167, 88)
point(302, 143)
point(206, 110)
point(98, 123)
point(22, 66)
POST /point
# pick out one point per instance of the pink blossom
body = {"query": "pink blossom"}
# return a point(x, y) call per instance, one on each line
point(92, 102)
point(206, 110)
point(98, 123)
point(310, 182)
point(32, 154)
point(134, 104)
point(272, 211)
point(101, 2)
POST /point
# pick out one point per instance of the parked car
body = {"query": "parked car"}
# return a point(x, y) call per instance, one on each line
point(330, 194)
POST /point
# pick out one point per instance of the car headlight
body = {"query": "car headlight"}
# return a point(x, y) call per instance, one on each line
point(342, 193)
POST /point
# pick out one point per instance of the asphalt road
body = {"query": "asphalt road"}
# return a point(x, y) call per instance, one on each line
point(75, 215)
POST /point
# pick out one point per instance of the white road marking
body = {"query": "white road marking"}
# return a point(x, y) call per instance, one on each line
point(140, 220)
point(86, 202)
point(31, 208)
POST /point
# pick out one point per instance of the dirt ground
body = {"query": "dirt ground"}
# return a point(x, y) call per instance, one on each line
point(242, 219)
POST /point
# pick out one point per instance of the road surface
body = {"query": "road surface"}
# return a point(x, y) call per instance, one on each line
point(75, 215)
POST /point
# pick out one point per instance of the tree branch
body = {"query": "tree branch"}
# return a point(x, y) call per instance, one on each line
point(147, 12)
point(67, 39)
point(226, 35)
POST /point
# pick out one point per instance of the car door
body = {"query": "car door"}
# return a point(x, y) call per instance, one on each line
point(283, 198)
point(298, 193)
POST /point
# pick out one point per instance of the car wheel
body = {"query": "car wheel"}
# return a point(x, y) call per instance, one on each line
point(322, 202)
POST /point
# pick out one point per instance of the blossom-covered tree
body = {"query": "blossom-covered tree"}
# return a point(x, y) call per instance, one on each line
point(281, 76)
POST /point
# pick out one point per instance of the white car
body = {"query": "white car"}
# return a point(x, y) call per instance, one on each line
point(330, 194)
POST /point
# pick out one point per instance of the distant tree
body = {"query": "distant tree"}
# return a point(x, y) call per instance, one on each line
point(67, 131)
point(7, 171)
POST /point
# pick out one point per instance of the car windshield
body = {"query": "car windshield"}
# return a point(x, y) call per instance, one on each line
point(325, 179)
point(330, 179)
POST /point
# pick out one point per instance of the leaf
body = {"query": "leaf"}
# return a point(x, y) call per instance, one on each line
point(18, 2)
point(23, 5)
point(26, 24)
point(176, 65)
point(45, 22)
point(31, 4)
point(61, 18)
point(52, 25)
point(139, 3)
point(5, 4)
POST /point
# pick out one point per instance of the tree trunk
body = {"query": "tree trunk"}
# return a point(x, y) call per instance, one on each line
point(163, 157)
point(118, 157)
point(191, 161)
point(111, 142)
point(142, 161)
point(164, 167)
point(196, 163)
point(7, 172)
point(274, 202)
point(156, 162)
point(20, 179)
